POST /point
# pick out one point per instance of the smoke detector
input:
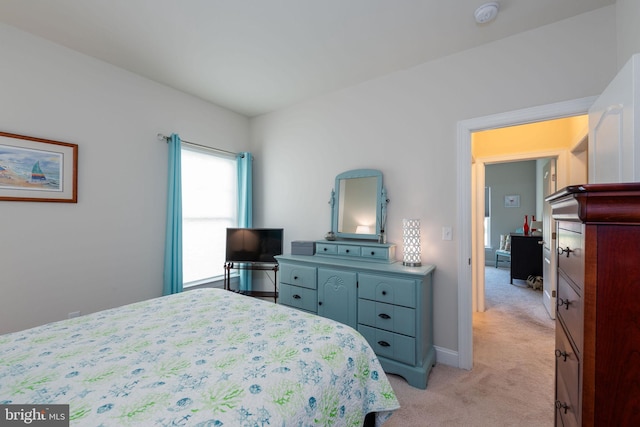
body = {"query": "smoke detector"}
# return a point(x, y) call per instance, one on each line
point(487, 12)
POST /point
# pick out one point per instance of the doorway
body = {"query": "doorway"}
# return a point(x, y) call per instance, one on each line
point(516, 156)
point(471, 261)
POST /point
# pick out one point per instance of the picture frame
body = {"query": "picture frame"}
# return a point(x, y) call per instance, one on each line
point(37, 170)
point(512, 201)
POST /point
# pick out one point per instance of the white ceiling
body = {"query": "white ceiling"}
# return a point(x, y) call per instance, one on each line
point(256, 56)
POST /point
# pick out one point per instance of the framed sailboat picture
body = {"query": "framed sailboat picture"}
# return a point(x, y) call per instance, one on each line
point(37, 170)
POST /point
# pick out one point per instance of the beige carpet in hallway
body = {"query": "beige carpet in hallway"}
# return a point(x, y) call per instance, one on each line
point(512, 380)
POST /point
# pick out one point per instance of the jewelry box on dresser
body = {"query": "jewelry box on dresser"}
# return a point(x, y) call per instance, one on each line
point(598, 305)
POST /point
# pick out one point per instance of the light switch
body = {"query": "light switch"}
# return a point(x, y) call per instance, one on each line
point(447, 233)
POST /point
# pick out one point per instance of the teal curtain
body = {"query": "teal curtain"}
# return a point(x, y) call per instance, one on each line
point(245, 205)
point(173, 237)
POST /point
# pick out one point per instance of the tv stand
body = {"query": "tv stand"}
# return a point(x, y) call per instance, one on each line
point(228, 266)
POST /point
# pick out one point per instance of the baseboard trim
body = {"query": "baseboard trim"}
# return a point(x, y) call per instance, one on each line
point(447, 357)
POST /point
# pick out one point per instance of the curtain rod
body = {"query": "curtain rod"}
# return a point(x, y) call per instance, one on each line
point(162, 137)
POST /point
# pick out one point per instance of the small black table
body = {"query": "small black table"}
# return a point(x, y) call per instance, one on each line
point(228, 266)
point(526, 256)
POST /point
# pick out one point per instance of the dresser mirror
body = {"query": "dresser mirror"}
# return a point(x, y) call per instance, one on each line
point(359, 205)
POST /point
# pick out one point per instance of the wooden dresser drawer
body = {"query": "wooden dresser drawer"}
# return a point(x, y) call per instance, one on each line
point(569, 309)
point(389, 317)
point(298, 275)
point(298, 297)
point(391, 290)
point(377, 253)
point(349, 250)
point(571, 251)
point(326, 248)
point(390, 345)
point(568, 372)
point(566, 412)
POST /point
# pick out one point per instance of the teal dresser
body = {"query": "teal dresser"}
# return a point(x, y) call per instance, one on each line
point(362, 286)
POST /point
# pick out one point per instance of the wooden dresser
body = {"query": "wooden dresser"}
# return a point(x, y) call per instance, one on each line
point(598, 305)
point(360, 285)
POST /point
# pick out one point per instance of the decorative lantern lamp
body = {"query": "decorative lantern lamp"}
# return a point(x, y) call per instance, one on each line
point(411, 242)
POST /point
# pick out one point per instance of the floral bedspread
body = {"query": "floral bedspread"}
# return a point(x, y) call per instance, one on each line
point(204, 357)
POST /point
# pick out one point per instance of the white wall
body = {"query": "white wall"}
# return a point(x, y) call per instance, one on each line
point(628, 17)
point(106, 250)
point(405, 125)
point(505, 179)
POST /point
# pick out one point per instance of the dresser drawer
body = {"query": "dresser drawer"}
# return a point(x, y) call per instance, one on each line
point(326, 248)
point(566, 415)
point(390, 345)
point(571, 251)
point(348, 250)
point(569, 309)
point(391, 290)
point(567, 373)
point(298, 297)
point(298, 275)
point(373, 252)
point(394, 318)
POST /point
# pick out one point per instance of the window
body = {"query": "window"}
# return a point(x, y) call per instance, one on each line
point(487, 217)
point(209, 206)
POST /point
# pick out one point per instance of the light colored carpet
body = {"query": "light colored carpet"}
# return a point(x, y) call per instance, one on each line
point(512, 380)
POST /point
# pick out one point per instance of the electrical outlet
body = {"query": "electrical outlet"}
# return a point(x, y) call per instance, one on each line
point(447, 233)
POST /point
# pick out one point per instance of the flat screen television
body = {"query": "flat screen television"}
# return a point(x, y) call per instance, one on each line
point(254, 245)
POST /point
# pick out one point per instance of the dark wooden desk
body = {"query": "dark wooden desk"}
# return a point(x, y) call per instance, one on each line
point(526, 256)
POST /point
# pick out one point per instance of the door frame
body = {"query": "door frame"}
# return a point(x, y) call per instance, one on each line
point(468, 259)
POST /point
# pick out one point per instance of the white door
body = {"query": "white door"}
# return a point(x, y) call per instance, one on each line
point(614, 129)
point(548, 240)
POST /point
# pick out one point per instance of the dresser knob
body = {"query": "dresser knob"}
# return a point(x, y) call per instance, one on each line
point(295, 277)
point(567, 250)
point(384, 292)
point(563, 354)
point(372, 253)
point(296, 296)
point(347, 251)
point(319, 302)
point(324, 249)
point(384, 316)
point(564, 302)
point(384, 344)
point(562, 405)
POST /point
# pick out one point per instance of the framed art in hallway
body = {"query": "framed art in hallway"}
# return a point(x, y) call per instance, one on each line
point(512, 201)
point(37, 170)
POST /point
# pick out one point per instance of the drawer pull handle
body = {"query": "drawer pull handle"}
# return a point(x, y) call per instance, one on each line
point(384, 344)
point(384, 316)
point(564, 302)
point(296, 296)
point(567, 250)
point(563, 354)
point(561, 405)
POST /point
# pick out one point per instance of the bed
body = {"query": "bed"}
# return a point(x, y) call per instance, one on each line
point(205, 357)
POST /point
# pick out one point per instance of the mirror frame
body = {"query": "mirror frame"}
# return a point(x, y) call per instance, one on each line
point(381, 205)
